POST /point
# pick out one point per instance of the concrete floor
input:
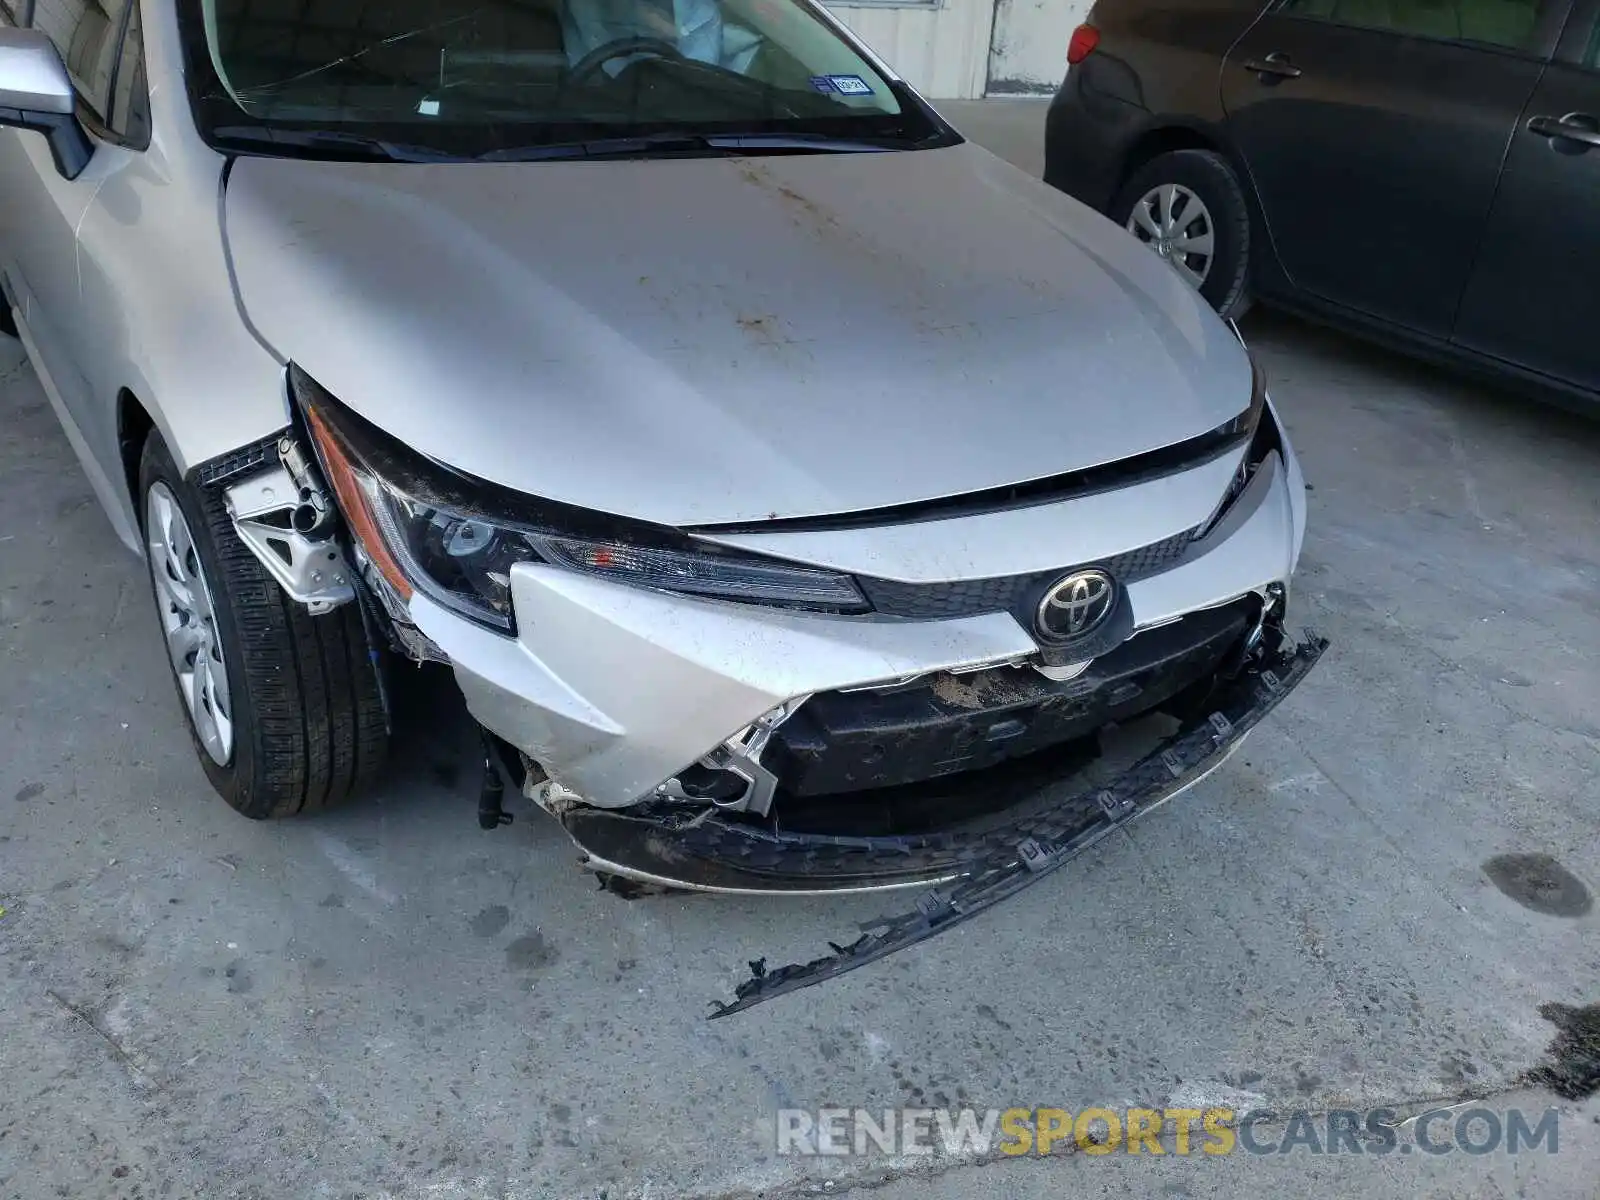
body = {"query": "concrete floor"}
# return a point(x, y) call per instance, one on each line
point(1013, 129)
point(387, 1001)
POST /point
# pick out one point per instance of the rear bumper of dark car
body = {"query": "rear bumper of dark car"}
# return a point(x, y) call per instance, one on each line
point(1088, 135)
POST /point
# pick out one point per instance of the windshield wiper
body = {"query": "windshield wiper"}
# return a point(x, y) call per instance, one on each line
point(377, 149)
point(667, 145)
point(651, 145)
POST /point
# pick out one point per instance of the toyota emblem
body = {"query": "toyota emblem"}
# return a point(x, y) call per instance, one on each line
point(1075, 605)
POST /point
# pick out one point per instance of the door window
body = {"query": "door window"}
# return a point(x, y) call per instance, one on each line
point(130, 100)
point(101, 43)
point(87, 34)
point(1510, 24)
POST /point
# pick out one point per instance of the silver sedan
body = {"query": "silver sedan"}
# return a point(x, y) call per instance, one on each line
point(796, 492)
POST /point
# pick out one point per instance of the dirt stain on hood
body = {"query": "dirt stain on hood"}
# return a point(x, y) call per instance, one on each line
point(803, 209)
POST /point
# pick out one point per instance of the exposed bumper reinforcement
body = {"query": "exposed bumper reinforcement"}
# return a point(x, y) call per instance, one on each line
point(1003, 861)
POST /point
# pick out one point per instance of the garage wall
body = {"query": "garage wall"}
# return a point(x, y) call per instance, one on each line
point(940, 48)
point(1028, 51)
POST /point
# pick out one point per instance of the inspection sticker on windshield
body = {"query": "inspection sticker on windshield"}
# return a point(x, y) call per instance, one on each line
point(845, 85)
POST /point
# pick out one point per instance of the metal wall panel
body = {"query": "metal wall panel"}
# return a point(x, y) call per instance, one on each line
point(941, 49)
point(1028, 52)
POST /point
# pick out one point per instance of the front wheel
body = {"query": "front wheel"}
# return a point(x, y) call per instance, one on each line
point(1188, 208)
point(284, 708)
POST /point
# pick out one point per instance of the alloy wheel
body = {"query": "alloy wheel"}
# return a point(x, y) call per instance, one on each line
point(188, 620)
point(1176, 224)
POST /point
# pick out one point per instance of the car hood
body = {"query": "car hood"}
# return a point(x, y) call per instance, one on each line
point(699, 341)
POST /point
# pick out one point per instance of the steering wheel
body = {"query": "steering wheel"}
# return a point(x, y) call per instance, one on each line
point(601, 55)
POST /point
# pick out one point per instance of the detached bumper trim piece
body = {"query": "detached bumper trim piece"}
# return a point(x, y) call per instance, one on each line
point(1025, 852)
point(257, 455)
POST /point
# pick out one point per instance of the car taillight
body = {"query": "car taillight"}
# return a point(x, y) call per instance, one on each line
point(1084, 39)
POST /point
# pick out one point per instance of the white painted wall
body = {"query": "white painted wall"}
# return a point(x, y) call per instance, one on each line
point(1028, 51)
point(940, 48)
point(963, 49)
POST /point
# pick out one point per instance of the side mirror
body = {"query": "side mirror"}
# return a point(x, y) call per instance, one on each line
point(36, 93)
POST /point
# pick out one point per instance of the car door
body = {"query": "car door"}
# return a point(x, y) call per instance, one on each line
point(38, 213)
point(1374, 131)
point(41, 212)
point(1534, 296)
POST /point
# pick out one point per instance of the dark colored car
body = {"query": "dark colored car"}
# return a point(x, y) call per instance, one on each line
point(1423, 171)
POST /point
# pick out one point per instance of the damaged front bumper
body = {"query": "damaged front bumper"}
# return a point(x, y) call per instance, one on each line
point(979, 870)
point(697, 743)
point(923, 741)
point(892, 789)
point(615, 690)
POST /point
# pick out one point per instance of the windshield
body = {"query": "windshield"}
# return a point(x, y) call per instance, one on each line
point(493, 76)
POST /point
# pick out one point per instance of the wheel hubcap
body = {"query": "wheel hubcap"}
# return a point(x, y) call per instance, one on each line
point(188, 619)
point(1173, 222)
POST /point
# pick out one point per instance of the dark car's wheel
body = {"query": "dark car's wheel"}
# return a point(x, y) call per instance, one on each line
point(284, 707)
point(1188, 207)
point(8, 324)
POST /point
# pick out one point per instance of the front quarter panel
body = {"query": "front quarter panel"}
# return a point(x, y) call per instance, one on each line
point(159, 318)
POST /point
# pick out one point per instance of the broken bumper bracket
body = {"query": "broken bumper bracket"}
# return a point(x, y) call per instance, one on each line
point(1180, 762)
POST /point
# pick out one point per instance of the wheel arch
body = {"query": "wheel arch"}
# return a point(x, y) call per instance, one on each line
point(1167, 136)
point(1177, 133)
point(134, 425)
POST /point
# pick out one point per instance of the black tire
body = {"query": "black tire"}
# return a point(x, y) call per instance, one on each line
point(8, 323)
point(1209, 176)
point(309, 728)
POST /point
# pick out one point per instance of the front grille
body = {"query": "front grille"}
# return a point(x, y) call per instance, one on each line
point(1147, 560)
point(968, 597)
point(944, 724)
point(938, 601)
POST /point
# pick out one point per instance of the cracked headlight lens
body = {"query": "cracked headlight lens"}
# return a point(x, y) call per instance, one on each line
point(1257, 429)
point(425, 528)
point(727, 576)
point(462, 562)
point(465, 562)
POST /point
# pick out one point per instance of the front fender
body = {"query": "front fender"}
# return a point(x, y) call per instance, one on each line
point(159, 317)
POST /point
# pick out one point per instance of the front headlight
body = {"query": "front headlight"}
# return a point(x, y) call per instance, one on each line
point(428, 528)
point(1244, 425)
point(1254, 427)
